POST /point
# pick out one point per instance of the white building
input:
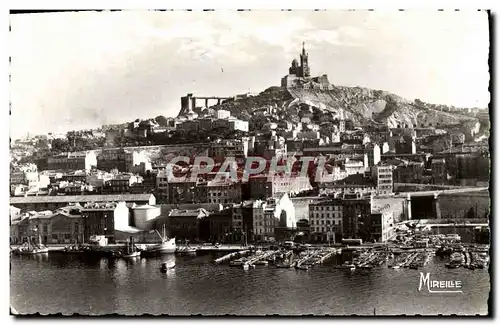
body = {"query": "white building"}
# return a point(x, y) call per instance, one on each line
point(223, 114)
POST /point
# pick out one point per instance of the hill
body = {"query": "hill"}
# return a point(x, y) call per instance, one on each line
point(361, 105)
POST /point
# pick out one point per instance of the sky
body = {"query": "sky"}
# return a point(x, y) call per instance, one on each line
point(78, 70)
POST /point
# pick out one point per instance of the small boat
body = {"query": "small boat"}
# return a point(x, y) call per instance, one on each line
point(186, 250)
point(395, 266)
point(167, 266)
point(238, 262)
point(261, 263)
point(414, 266)
point(246, 266)
point(351, 267)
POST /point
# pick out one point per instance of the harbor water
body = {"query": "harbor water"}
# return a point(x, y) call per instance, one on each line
point(59, 283)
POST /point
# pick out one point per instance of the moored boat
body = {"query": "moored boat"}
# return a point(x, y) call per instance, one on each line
point(186, 250)
point(166, 246)
point(29, 248)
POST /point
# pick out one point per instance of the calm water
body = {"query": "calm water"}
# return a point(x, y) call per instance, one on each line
point(53, 283)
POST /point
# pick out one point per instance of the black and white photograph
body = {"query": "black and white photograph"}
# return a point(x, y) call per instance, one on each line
point(250, 162)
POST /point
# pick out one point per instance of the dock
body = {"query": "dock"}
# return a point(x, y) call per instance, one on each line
point(230, 256)
point(326, 256)
point(259, 257)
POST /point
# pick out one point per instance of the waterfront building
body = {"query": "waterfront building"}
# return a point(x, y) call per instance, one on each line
point(144, 216)
point(183, 224)
point(325, 220)
point(41, 203)
point(381, 224)
point(101, 219)
point(356, 209)
point(217, 227)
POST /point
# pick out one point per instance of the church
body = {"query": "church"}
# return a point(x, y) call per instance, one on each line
point(299, 76)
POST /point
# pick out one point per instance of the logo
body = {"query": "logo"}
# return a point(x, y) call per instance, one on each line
point(439, 286)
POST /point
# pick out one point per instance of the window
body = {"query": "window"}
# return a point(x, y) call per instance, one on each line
point(54, 236)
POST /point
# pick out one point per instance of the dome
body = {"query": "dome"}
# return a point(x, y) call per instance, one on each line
point(295, 63)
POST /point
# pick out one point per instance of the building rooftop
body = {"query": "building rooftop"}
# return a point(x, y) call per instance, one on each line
point(81, 198)
point(94, 206)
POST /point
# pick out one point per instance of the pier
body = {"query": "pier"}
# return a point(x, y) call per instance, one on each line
point(230, 256)
point(259, 257)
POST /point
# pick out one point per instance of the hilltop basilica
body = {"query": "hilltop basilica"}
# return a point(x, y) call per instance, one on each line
point(299, 76)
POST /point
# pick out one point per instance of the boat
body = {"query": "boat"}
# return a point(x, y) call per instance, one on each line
point(29, 248)
point(261, 262)
point(130, 250)
point(246, 266)
point(166, 246)
point(395, 266)
point(452, 265)
point(167, 266)
point(186, 250)
point(134, 254)
point(76, 249)
point(352, 268)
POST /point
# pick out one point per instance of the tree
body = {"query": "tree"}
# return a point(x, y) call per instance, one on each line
point(161, 120)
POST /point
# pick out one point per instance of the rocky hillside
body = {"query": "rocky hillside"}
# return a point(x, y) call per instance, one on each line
point(361, 105)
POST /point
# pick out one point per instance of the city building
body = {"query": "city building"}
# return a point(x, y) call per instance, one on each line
point(217, 227)
point(183, 224)
point(122, 183)
point(223, 114)
point(439, 172)
point(381, 225)
point(83, 160)
point(382, 177)
point(41, 203)
point(101, 219)
point(325, 220)
point(405, 145)
point(262, 186)
point(220, 149)
point(113, 158)
point(356, 212)
point(224, 191)
point(408, 172)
